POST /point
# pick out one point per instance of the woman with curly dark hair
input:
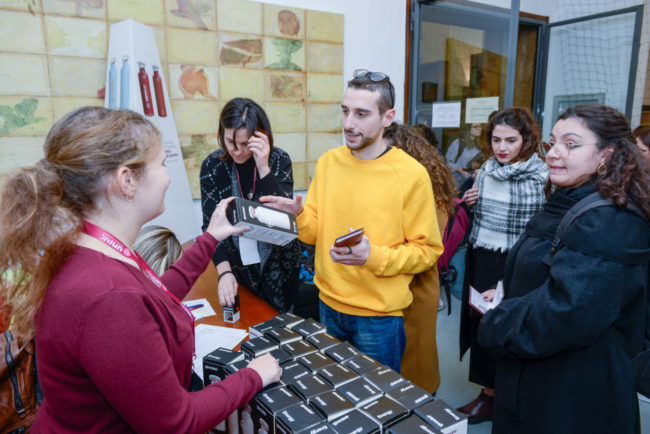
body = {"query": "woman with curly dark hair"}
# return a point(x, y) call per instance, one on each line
point(420, 359)
point(570, 321)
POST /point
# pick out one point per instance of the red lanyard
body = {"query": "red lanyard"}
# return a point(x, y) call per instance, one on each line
point(239, 182)
point(112, 242)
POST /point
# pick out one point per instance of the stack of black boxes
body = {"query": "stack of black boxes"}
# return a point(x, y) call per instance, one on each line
point(328, 386)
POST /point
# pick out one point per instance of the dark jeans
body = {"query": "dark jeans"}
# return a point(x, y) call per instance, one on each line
point(380, 337)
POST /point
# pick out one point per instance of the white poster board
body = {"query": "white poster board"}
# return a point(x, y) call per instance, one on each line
point(130, 43)
point(478, 110)
point(445, 114)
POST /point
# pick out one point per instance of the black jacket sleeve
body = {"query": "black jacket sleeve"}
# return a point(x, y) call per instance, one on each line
point(278, 182)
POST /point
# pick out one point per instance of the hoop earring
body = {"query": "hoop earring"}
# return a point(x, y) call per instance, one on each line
point(601, 169)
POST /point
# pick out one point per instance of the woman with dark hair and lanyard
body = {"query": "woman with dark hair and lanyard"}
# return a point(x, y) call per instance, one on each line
point(570, 321)
point(247, 165)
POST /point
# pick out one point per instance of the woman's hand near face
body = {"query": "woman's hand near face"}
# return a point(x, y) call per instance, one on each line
point(219, 226)
point(259, 145)
point(471, 196)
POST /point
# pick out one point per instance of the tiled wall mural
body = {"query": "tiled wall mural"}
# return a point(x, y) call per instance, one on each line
point(290, 60)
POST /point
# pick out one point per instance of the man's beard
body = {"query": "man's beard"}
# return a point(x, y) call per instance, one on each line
point(364, 143)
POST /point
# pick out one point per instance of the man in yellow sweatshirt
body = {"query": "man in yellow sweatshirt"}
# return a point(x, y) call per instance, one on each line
point(364, 288)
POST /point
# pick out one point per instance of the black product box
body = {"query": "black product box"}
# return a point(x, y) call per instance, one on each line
point(283, 336)
point(215, 373)
point(309, 386)
point(355, 422)
point(410, 396)
point(439, 414)
point(320, 428)
point(316, 361)
point(362, 364)
point(360, 392)
point(386, 379)
point(268, 225)
point(337, 375)
point(299, 348)
point(257, 346)
point(296, 418)
point(309, 327)
point(342, 352)
point(267, 404)
point(290, 319)
point(231, 314)
point(331, 405)
point(293, 371)
point(322, 341)
point(257, 330)
point(282, 356)
point(214, 364)
point(385, 411)
point(413, 424)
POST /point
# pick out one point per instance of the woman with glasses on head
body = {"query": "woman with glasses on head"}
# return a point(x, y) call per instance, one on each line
point(571, 320)
point(249, 166)
point(508, 191)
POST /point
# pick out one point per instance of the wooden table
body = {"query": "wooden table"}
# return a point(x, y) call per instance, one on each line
point(253, 309)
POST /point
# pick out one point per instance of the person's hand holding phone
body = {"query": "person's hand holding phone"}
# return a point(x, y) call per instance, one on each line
point(259, 145)
point(343, 252)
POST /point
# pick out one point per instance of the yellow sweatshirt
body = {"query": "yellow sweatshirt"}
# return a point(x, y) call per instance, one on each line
point(392, 199)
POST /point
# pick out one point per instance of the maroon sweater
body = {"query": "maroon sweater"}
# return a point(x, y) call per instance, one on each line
point(114, 352)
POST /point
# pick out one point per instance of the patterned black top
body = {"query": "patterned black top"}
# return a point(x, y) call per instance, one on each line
point(219, 180)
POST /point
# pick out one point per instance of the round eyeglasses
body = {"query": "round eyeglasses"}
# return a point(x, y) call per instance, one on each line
point(563, 148)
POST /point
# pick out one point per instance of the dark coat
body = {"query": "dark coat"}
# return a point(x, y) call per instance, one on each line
point(560, 367)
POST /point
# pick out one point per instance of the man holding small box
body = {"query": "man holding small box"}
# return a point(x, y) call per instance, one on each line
point(365, 287)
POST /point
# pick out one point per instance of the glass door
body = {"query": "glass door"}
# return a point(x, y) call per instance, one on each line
point(592, 60)
point(462, 69)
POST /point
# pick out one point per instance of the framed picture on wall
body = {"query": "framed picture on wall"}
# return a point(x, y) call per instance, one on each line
point(563, 102)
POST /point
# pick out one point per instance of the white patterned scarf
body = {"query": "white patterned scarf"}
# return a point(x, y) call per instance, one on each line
point(508, 196)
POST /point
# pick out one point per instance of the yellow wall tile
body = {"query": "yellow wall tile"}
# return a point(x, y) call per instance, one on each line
point(285, 86)
point(294, 143)
point(96, 9)
point(300, 176)
point(144, 11)
point(284, 21)
point(21, 5)
point(76, 37)
point(285, 54)
point(27, 116)
point(23, 74)
point(193, 82)
point(195, 14)
point(239, 16)
point(19, 151)
point(286, 118)
point(319, 143)
point(195, 148)
point(65, 104)
point(324, 26)
point(322, 57)
point(196, 47)
point(235, 82)
point(196, 117)
point(21, 32)
point(324, 88)
point(324, 117)
point(77, 76)
point(240, 50)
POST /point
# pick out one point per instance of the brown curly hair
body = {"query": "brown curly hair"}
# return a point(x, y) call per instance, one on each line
point(628, 174)
point(521, 120)
point(412, 141)
point(42, 206)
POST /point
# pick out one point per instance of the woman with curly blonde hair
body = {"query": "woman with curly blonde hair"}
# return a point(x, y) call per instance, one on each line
point(420, 359)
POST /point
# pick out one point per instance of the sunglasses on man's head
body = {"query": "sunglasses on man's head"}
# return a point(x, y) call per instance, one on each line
point(375, 77)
